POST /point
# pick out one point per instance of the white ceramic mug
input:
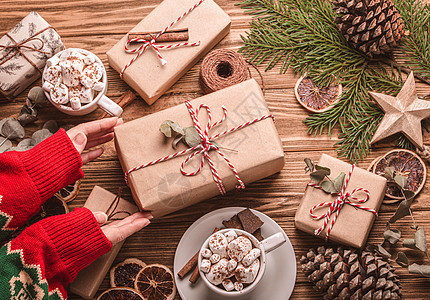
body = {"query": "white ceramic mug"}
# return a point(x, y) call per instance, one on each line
point(100, 101)
point(265, 246)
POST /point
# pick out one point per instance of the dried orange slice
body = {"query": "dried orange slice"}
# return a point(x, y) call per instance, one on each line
point(124, 274)
point(120, 293)
point(70, 192)
point(52, 207)
point(406, 163)
point(314, 98)
point(155, 282)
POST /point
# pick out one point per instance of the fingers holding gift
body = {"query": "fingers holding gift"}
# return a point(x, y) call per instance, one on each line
point(119, 231)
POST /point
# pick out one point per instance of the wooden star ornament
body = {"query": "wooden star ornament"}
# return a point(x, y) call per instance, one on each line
point(403, 113)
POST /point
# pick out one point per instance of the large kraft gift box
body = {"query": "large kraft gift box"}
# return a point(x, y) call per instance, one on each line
point(353, 225)
point(19, 67)
point(207, 23)
point(162, 188)
point(89, 279)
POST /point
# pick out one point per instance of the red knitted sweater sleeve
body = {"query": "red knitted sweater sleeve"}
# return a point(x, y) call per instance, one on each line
point(29, 178)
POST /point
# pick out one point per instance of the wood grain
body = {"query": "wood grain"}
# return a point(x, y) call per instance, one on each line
point(97, 26)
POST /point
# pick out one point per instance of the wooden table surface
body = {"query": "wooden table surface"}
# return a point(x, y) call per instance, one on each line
point(97, 26)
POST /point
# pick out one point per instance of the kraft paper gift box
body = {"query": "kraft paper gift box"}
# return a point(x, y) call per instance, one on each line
point(89, 279)
point(207, 24)
point(353, 225)
point(19, 67)
point(256, 150)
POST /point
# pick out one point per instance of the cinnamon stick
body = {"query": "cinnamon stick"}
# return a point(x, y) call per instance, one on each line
point(122, 101)
point(173, 35)
point(195, 275)
point(192, 263)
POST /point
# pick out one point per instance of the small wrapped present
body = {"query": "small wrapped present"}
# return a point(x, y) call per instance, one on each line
point(159, 183)
point(161, 64)
point(89, 279)
point(346, 217)
point(24, 51)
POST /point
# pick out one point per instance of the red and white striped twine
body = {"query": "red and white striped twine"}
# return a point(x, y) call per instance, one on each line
point(204, 147)
point(336, 206)
point(154, 45)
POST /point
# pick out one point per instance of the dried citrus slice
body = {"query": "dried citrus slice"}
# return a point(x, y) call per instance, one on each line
point(314, 98)
point(52, 207)
point(70, 192)
point(155, 282)
point(406, 163)
point(124, 273)
point(120, 293)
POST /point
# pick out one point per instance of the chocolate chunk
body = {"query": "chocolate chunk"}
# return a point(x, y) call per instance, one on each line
point(250, 222)
point(257, 235)
point(234, 222)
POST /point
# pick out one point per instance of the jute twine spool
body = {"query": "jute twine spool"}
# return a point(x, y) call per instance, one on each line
point(222, 68)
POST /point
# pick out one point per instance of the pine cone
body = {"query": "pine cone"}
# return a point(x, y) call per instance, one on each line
point(345, 274)
point(372, 26)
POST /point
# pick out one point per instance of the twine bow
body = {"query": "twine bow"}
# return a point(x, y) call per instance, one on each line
point(204, 147)
point(16, 48)
point(336, 206)
point(152, 43)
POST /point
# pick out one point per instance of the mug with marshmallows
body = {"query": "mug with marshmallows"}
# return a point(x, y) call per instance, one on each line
point(232, 261)
point(75, 82)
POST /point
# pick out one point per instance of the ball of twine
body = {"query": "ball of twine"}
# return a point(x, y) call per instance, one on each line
point(222, 68)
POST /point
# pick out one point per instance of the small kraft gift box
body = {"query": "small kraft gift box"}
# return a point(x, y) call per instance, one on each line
point(241, 145)
point(151, 67)
point(88, 280)
point(24, 51)
point(346, 217)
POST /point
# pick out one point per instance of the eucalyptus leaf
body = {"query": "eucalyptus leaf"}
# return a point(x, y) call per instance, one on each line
point(423, 270)
point(168, 126)
point(389, 173)
point(338, 182)
point(328, 187)
point(177, 140)
point(384, 253)
point(5, 144)
point(37, 96)
point(318, 175)
point(26, 119)
point(51, 125)
point(13, 129)
point(40, 135)
point(402, 211)
point(192, 137)
point(409, 194)
point(317, 167)
point(420, 240)
point(2, 121)
point(392, 235)
point(409, 243)
point(401, 180)
point(26, 143)
point(309, 165)
point(402, 260)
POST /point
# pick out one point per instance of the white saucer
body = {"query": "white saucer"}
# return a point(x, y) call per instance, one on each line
point(280, 275)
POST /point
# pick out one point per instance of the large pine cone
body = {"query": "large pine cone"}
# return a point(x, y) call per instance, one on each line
point(345, 274)
point(372, 26)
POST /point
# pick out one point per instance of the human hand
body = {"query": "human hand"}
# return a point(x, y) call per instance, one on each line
point(118, 231)
point(92, 134)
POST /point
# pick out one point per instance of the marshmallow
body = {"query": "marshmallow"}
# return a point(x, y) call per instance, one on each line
point(65, 54)
point(206, 253)
point(47, 86)
point(86, 95)
point(215, 258)
point(53, 74)
point(72, 55)
point(71, 72)
point(89, 59)
point(238, 286)
point(218, 244)
point(230, 235)
point(53, 61)
point(252, 255)
point(231, 266)
point(205, 265)
point(218, 272)
point(94, 71)
point(75, 103)
point(87, 82)
point(228, 285)
point(239, 247)
point(247, 274)
point(99, 86)
point(59, 94)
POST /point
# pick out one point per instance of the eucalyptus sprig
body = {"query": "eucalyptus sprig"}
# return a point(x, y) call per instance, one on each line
point(319, 173)
point(393, 236)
